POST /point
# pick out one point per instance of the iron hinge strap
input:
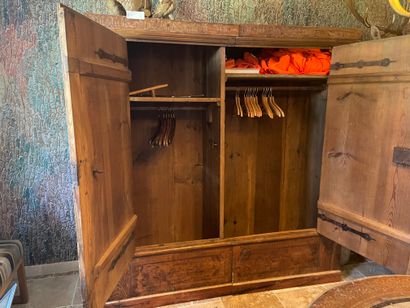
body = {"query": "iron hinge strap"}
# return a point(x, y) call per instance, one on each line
point(102, 54)
point(360, 64)
point(345, 227)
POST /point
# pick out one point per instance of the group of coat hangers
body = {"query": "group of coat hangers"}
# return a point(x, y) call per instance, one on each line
point(166, 129)
point(253, 108)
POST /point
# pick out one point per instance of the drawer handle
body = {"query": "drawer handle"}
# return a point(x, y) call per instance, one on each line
point(102, 54)
point(401, 156)
point(345, 227)
point(360, 64)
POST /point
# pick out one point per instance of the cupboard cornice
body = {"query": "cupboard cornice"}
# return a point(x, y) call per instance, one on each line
point(242, 35)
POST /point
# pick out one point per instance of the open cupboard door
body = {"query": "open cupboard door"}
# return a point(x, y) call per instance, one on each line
point(98, 117)
point(364, 202)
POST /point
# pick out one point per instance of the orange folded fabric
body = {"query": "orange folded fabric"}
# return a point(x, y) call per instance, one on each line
point(311, 61)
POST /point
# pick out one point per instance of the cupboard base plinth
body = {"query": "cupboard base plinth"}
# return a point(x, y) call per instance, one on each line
point(181, 272)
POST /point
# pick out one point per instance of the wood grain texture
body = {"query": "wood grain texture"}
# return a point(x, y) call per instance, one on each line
point(227, 35)
point(212, 176)
point(248, 263)
point(261, 261)
point(179, 271)
point(361, 186)
point(168, 182)
point(228, 289)
point(293, 191)
point(214, 143)
point(99, 132)
point(188, 70)
point(383, 291)
point(273, 167)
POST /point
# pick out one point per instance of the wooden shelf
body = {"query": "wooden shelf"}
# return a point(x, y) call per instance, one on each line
point(175, 99)
point(275, 77)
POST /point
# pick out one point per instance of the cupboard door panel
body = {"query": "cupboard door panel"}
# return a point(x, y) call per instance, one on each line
point(365, 188)
point(98, 116)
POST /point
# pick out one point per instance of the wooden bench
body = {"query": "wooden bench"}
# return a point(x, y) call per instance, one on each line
point(12, 265)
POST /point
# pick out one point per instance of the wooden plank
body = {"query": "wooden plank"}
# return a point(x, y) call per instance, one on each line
point(168, 182)
point(355, 57)
point(227, 242)
point(370, 224)
point(265, 260)
point(361, 186)
point(159, 99)
point(212, 145)
point(317, 114)
point(85, 68)
point(289, 36)
point(183, 270)
point(377, 292)
point(228, 289)
point(275, 77)
point(222, 149)
point(293, 179)
point(161, 30)
point(239, 261)
point(182, 32)
point(98, 118)
point(182, 67)
point(117, 248)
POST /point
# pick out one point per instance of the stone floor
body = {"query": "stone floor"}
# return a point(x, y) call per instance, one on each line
point(63, 291)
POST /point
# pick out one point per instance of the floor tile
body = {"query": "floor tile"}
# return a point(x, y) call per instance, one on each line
point(298, 297)
point(350, 272)
point(181, 305)
point(77, 297)
point(253, 300)
point(50, 292)
point(372, 269)
point(328, 286)
point(208, 303)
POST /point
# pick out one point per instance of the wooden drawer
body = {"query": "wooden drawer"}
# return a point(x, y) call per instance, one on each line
point(275, 259)
point(184, 270)
point(172, 273)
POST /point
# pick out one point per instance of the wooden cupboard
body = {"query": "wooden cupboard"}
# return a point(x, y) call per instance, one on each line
point(232, 205)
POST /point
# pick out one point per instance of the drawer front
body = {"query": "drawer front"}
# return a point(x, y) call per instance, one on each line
point(275, 259)
point(185, 270)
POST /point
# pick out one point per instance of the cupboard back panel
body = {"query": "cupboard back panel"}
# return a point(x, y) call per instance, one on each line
point(188, 70)
point(272, 167)
point(169, 182)
point(211, 199)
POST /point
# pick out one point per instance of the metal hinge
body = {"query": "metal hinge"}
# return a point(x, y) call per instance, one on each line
point(345, 227)
point(360, 64)
point(102, 54)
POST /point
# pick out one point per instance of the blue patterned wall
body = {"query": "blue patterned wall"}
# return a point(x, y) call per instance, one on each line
point(36, 204)
point(35, 184)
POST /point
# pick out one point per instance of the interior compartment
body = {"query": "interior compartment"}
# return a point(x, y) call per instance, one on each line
point(172, 185)
point(189, 70)
point(272, 166)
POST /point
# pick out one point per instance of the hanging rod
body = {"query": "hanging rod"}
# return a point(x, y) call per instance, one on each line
point(175, 108)
point(277, 88)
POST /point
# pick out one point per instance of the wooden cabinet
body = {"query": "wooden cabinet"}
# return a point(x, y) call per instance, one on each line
point(234, 204)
